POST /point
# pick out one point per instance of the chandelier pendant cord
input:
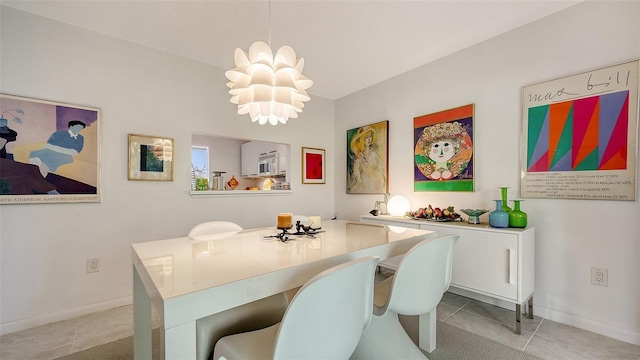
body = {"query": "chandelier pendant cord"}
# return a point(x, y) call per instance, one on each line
point(269, 23)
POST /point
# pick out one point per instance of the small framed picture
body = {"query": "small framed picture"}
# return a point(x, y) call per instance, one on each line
point(313, 167)
point(150, 158)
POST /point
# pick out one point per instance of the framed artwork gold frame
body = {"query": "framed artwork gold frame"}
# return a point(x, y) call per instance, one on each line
point(150, 158)
point(313, 166)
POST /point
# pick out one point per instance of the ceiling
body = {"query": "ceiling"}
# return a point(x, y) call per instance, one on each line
point(347, 45)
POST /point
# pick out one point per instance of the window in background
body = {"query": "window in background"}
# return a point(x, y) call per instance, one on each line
point(199, 164)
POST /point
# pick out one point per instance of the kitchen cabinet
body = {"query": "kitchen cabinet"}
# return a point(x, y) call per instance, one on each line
point(283, 153)
point(490, 262)
point(250, 151)
point(253, 150)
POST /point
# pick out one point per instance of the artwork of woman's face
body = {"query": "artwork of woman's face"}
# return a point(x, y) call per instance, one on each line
point(368, 140)
point(442, 151)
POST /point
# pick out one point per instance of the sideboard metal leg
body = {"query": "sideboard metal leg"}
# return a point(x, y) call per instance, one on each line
point(531, 307)
point(518, 319)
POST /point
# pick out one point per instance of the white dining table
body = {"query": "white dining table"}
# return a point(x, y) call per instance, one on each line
point(185, 280)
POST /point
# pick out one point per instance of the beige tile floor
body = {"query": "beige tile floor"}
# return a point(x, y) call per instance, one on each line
point(540, 337)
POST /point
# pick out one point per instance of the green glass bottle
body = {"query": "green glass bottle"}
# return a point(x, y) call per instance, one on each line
point(505, 205)
point(517, 218)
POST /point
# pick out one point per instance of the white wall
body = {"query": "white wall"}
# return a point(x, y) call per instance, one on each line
point(571, 235)
point(44, 247)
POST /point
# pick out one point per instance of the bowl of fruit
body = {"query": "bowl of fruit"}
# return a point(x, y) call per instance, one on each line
point(435, 214)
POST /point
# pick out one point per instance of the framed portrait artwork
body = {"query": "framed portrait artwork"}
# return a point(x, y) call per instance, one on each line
point(368, 159)
point(580, 136)
point(150, 158)
point(313, 166)
point(50, 151)
point(443, 152)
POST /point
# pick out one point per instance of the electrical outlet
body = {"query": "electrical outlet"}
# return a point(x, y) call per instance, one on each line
point(93, 265)
point(599, 276)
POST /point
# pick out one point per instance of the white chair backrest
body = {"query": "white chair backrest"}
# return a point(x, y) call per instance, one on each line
point(327, 316)
point(212, 230)
point(423, 275)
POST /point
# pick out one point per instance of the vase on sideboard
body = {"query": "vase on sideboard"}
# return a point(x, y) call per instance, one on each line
point(505, 204)
point(499, 218)
point(517, 217)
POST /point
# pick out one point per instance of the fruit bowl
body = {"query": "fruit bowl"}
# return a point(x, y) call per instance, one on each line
point(435, 214)
point(474, 215)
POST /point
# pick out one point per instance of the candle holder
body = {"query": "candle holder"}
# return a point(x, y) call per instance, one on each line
point(283, 235)
point(305, 230)
point(300, 230)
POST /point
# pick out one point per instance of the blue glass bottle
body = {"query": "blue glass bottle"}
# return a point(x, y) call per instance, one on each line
point(499, 218)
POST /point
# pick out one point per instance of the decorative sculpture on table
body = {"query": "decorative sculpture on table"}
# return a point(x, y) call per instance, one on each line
point(474, 215)
point(284, 224)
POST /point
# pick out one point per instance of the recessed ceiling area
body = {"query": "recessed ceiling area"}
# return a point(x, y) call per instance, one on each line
point(347, 45)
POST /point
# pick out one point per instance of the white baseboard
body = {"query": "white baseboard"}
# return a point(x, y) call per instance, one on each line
point(614, 332)
point(617, 333)
point(24, 324)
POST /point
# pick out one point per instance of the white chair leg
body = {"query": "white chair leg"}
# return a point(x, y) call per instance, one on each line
point(385, 338)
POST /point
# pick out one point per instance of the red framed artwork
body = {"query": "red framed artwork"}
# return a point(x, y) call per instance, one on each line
point(313, 166)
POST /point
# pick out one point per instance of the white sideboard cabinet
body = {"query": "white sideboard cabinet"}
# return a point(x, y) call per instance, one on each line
point(489, 262)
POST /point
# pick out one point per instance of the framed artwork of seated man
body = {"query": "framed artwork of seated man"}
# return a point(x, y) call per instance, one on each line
point(50, 151)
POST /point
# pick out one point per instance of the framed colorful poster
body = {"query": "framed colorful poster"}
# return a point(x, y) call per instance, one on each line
point(443, 152)
point(313, 166)
point(580, 136)
point(50, 152)
point(151, 158)
point(368, 159)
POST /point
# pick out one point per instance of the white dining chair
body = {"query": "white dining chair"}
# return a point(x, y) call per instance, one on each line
point(304, 220)
point(421, 278)
point(390, 263)
point(212, 230)
point(323, 321)
point(251, 316)
point(255, 315)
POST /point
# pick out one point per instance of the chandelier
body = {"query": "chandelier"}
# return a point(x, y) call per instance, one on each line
point(269, 89)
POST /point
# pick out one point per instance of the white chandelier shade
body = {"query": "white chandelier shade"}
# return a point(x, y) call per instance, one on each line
point(269, 89)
